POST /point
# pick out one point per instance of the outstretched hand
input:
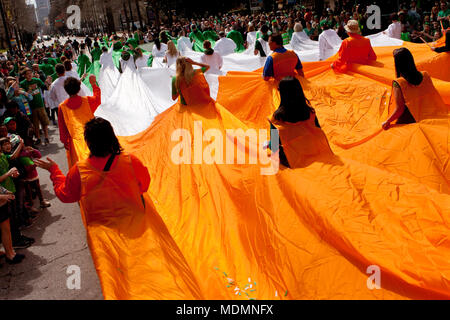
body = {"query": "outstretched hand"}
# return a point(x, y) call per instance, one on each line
point(45, 164)
point(93, 80)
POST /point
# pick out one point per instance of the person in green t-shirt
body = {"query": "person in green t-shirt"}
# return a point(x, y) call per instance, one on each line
point(236, 36)
point(47, 67)
point(196, 38)
point(96, 52)
point(444, 15)
point(83, 63)
point(38, 115)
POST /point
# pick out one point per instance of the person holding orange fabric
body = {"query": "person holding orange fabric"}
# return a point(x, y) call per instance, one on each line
point(107, 171)
point(189, 84)
point(354, 49)
point(281, 63)
point(80, 110)
point(301, 140)
point(410, 89)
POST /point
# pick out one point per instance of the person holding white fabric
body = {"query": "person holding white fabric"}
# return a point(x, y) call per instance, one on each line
point(224, 45)
point(251, 36)
point(69, 70)
point(109, 75)
point(141, 59)
point(159, 49)
point(300, 38)
point(328, 41)
point(172, 54)
point(212, 58)
point(262, 45)
point(395, 28)
point(184, 43)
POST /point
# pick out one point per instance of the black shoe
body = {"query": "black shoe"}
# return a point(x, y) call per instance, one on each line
point(21, 244)
point(47, 141)
point(31, 240)
point(37, 142)
point(17, 259)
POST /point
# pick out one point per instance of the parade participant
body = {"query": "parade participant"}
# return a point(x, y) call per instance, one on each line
point(183, 42)
point(354, 49)
point(57, 93)
point(141, 59)
point(96, 52)
point(251, 36)
point(172, 54)
point(211, 58)
point(262, 44)
point(416, 98)
point(190, 85)
point(68, 65)
point(106, 171)
point(80, 110)
point(83, 63)
point(224, 45)
point(281, 63)
point(395, 28)
point(300, 135)
point(209, 34)
point(159, 49)
point(38, 115)
point(328, 40)
point(196, 37)
point(236, 36)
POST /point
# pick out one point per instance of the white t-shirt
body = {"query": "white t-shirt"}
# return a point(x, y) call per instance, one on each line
point(328, 39)
point(395, 30)
point(171, 59)
point(215, 62)
point(161, 52)
point(57, 92)
point(142, 61)
point(225, 46)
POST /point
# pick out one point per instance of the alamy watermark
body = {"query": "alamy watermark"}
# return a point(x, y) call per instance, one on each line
point(74, 18)
point(73, 281)
point(236, 146)
point(374, 280)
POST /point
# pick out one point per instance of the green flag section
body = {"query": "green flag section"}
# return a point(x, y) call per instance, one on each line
point(211, 36)
point(197, 41)
point(236, 36)
point(93, 69)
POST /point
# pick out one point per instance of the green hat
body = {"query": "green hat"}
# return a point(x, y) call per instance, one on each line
point(7, 120)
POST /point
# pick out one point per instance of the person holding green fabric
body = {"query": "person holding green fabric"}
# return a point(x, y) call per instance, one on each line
point(196, 38)
point(47, 68)
point(96, 52)
point(210, 35)
point(38, 115)
point(236, 36)
point(83, 63)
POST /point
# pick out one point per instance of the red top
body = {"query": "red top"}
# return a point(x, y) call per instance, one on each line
point(354, 49)
point(74, 103)
point(68, 189)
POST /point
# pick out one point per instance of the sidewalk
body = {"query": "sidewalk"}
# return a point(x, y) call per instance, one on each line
point(60, 242)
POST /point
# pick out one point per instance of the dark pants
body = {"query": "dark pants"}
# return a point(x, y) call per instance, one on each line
point(29, 186)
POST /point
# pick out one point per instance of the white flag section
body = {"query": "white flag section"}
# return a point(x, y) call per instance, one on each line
point(132, 100)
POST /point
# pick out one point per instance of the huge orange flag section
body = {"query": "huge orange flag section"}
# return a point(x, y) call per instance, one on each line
point(380, 201)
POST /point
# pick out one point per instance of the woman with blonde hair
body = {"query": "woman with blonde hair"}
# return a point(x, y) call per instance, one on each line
point(171, 54)
point(190, 85)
